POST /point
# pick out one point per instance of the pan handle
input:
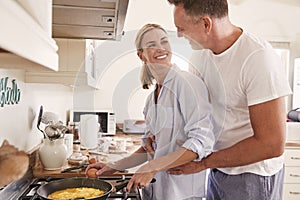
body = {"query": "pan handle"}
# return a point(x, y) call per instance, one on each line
point(124, 184)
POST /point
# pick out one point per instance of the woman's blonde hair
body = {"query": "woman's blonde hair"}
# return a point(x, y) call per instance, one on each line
point(146, 76)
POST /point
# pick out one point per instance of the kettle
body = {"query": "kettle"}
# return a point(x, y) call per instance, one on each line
point(88, 131)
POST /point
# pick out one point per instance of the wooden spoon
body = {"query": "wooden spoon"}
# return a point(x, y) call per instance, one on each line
point(13, 163)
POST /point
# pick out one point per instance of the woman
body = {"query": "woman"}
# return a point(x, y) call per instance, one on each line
point(178, 114)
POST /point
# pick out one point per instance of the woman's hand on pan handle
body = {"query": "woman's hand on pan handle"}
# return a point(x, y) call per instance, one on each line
point(140, 180)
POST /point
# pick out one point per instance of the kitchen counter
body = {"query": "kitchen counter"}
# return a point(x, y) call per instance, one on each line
point(292, 144)
point(135, 142)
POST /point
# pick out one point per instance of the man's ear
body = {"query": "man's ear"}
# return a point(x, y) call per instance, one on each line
point(207, 22)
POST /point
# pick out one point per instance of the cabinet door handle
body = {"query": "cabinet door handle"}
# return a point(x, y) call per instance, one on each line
point(294, 193)
point(295, 158)
point(294, 175)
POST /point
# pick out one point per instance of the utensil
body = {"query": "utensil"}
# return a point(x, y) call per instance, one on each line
point(39, 121)
point(50, 118)
point(55, 131)
point(52, 132)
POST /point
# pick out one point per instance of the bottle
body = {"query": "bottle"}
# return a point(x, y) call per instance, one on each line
point(76, 132)
point(71, 126)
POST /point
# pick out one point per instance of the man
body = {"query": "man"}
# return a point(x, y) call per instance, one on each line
point(247, 89)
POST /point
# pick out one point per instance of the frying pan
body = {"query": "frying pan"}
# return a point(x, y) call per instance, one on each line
point(76, 182)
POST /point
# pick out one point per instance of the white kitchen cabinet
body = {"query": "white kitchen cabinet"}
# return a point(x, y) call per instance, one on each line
point(76, 65)
point(25, 39)
point(296, 84)
point(291, 189)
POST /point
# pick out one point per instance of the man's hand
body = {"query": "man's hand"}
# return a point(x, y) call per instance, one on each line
point(149, 141)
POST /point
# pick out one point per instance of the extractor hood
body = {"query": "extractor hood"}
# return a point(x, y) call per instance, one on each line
point(89, 19)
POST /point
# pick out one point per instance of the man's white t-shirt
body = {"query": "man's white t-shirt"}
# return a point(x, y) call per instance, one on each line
point(248, 73)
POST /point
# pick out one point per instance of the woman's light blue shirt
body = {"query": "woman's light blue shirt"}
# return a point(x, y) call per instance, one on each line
point(180, 118)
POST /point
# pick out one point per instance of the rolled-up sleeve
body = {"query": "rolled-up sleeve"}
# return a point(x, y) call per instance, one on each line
point(197, 114)
point(202, 144)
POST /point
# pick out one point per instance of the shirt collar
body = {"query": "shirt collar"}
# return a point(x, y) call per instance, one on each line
point(171, 74)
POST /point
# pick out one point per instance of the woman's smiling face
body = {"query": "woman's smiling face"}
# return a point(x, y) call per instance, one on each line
point(156, 47)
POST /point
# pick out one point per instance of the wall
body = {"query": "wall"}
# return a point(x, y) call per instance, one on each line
point(274, 20)
point(18, 123)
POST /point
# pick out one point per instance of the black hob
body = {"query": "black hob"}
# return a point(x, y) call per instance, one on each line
point(30, 192)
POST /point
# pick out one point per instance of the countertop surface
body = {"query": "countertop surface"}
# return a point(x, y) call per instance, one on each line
point(133, 143)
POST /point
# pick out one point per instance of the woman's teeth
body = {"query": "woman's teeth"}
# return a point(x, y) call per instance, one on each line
point(161, 57)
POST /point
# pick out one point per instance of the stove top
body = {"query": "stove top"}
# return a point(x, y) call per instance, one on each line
point(30, 193)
